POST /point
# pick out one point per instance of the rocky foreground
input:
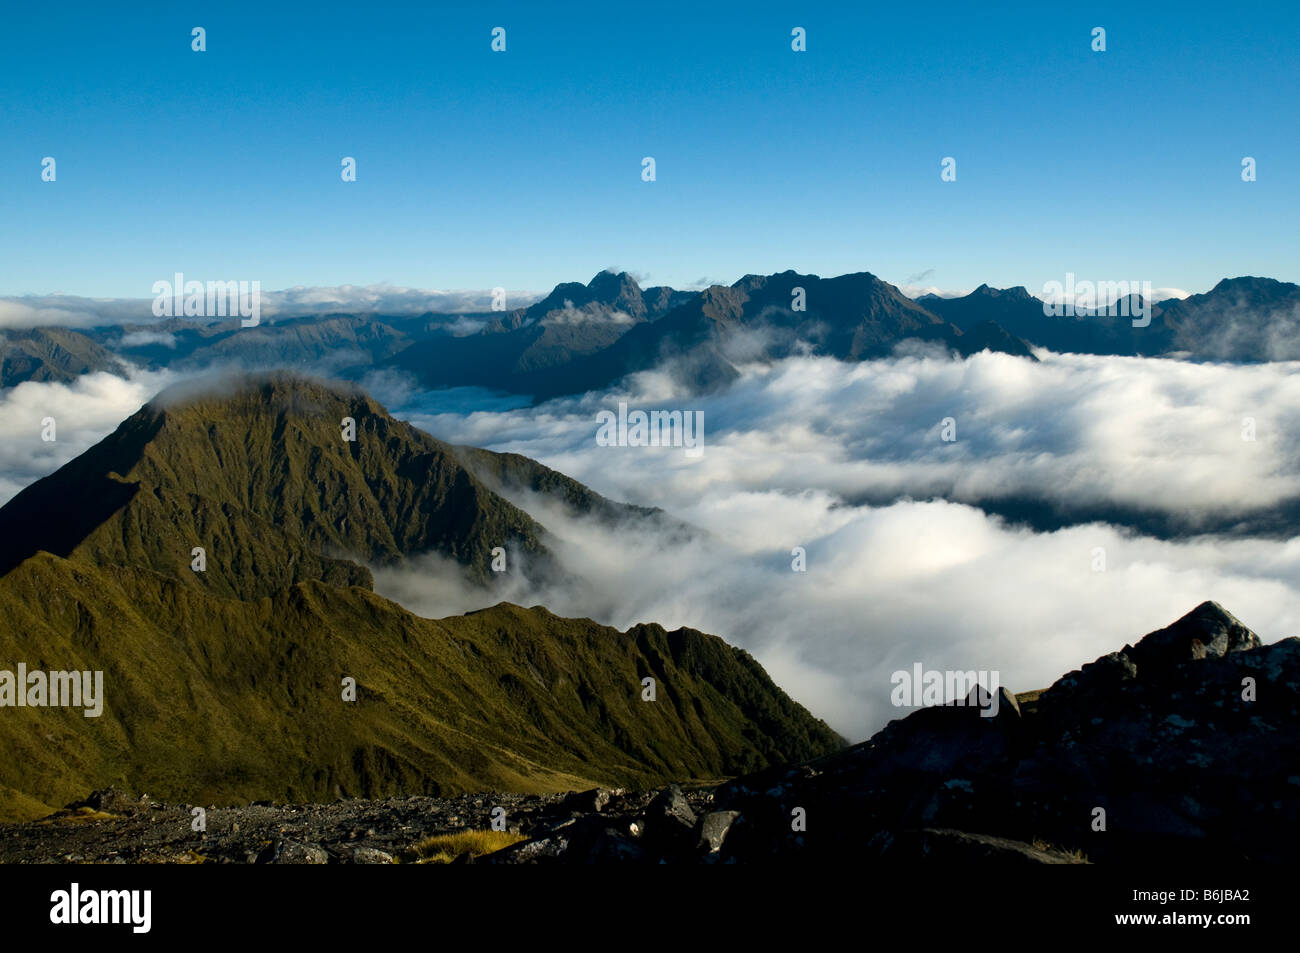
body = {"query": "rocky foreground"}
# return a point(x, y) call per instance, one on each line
point(112, 827)
point(1185, 746)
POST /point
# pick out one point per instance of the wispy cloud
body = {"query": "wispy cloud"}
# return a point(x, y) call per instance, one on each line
point(76, 312)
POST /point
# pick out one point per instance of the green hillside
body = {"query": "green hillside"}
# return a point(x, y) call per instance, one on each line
point(57, 355)
point(214, 700)
point(226, 685)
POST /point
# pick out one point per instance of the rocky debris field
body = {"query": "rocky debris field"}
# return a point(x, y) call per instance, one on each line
point(597, 826)
point(1185, 746)
point(112, 827)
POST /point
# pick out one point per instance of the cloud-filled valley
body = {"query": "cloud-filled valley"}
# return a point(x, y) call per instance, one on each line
point(922, 577)
point(847, 461)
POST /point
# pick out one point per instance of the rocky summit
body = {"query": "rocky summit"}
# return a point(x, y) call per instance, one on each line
point(1183, 746)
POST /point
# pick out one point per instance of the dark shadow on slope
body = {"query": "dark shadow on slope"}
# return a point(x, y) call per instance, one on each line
point(55, 514)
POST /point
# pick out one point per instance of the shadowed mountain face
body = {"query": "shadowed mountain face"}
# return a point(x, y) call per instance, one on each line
point(1240, 319)
point(547, 352)
point(224, 682)
point(1018, 312)
point(1013, 309)
point(537, 348)
point(1186, 743)
point(583, 337)
point(607, 292)
point(852, 317)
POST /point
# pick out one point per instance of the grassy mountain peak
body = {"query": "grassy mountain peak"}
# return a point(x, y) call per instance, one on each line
point(258, 473)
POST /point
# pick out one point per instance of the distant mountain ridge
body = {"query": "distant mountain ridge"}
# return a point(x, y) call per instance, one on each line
point(585, 336)
point(701, 338)
point(57, 355)
point(1239, 319)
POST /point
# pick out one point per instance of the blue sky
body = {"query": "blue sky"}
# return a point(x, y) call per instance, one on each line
point(523, 169)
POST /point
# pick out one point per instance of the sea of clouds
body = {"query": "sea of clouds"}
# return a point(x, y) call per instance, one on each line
point(847, 462)
point(919, 577)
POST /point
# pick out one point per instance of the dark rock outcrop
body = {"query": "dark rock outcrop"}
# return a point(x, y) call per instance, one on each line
point(1184, 745)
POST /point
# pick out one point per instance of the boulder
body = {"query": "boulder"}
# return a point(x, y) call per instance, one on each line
point(713, 829)
point(587, 802)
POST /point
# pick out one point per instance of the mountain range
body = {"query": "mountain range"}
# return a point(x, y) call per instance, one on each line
point(581, 337)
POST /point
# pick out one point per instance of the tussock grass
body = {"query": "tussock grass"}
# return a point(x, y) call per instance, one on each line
point(82, 815)
point(1028, 701)
point(189, 857)
point(1076, 854)
point(444, 848)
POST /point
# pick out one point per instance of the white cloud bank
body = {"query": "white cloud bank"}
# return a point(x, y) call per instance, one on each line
point(84, 412)
point(72, 311)
point(914, 291)
point(788, 451)
point(936, 582)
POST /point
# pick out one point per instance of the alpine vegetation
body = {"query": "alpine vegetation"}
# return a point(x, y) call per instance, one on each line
point(54, 689)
